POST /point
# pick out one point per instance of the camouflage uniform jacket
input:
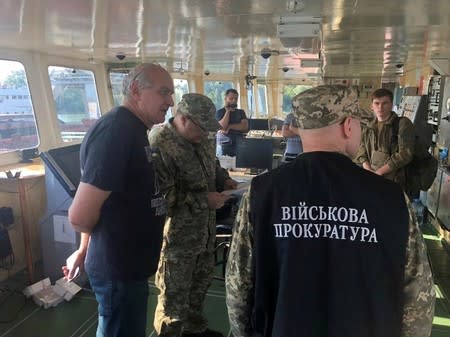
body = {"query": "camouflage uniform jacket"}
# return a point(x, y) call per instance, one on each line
point(376, 149)
point(186, 173)
point(419, 294)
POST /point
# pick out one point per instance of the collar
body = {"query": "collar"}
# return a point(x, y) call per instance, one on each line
point(374, 124)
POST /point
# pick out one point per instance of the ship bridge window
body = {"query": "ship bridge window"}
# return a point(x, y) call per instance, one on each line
point(181, 87)
point(116, 79)
point(18, 130)
point(289, 91)
point(76, 101)
point(215, 90)
point(257, 100)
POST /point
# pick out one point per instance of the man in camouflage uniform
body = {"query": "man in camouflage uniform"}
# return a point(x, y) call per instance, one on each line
point(337, 251)
point(378, 152)
point(184, 159)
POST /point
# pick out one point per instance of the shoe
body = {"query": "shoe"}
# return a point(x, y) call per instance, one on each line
point(206, 333)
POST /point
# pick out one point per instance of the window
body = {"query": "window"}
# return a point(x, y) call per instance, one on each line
point(262, 99)
point(289, 91)
point(181, 87)
point(116, 79)
point(76, 101)
point(18, 128)
point(215, 90)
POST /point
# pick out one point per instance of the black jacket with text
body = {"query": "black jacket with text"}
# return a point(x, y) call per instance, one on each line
point(329, 250)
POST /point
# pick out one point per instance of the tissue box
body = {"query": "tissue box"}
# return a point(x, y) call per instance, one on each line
point(47, 295)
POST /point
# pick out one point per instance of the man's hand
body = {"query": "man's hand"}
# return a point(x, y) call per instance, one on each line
point(367, 166)
point(216, 200)
point(74, 265)
point(230, 184)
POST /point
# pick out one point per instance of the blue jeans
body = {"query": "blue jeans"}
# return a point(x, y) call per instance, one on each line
point(122, 307)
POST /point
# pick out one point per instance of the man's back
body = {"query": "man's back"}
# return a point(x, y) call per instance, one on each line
point(323, 248)
point(340, 251)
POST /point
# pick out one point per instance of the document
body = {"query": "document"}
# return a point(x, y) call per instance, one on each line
point(239, 190)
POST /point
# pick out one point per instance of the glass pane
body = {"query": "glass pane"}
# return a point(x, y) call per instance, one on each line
point(116, 79)
point(289, 91)
point(181, 88)
point(215, 90)
point(262, 102)
point(18, 128)
point(250, 104)
point(76, 101)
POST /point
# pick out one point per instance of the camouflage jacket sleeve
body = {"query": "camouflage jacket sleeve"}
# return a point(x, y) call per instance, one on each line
point(166, 172)
point(221, 176)
point(419, 291)
point(239, 278)
point(406, 141)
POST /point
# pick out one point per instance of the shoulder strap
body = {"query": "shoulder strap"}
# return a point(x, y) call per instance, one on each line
point(394, 134)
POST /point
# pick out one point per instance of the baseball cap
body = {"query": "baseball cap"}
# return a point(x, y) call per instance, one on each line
point(200, 109)
point(326, 105)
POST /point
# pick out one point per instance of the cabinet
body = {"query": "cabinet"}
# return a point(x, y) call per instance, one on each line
point(26, 196)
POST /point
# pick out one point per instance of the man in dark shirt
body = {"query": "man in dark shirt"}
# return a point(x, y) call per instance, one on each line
point(118, 206)
point(234, 124)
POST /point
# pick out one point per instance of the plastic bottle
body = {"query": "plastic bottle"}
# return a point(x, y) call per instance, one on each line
point(418, 210)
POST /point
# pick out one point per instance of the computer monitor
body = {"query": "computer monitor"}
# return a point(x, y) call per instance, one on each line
point(254, 153)
point(64, 162)
point(258, 124)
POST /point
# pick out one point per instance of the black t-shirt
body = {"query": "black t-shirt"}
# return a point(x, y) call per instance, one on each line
point(126, 242)
point(235, 118)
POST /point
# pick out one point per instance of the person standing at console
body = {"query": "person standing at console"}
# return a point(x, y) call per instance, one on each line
point(234, 123)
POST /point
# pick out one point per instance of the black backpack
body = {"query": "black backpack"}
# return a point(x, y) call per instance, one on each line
point(421, 171)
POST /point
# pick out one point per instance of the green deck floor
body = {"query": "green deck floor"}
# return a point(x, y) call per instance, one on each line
point(23, 318)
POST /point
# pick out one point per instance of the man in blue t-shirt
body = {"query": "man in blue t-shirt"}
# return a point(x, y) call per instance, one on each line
point(234, 124)
point(118, 206)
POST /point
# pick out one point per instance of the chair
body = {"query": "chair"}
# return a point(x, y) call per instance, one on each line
point(223, 241)
point(224, 228)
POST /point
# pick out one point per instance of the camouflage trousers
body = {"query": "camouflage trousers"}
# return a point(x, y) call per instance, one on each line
point(183, 280)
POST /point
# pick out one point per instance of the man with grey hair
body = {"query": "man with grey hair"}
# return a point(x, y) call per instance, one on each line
point(337, 251)
point(184, 158)
point(118, 207)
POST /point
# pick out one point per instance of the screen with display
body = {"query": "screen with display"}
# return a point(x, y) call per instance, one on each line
point(254, 153)
point(258, 124)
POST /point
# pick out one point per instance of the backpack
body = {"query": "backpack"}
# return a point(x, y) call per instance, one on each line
point(422, 169)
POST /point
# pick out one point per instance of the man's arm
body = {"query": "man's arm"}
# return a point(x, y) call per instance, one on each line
point(362, 156)
point(224, 119)
point(239, 273)
point(289, 128)
point(289, 131)
point(86, 206)
point(223, 179)
point(419, 294)
point(75, 262)
point(406, 142)
point(242, 126)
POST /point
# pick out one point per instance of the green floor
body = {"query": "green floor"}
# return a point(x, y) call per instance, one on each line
point(22, 318)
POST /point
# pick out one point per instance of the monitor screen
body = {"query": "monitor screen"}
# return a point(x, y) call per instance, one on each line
point(258, 124)
point(64, 162)
point(254, 153)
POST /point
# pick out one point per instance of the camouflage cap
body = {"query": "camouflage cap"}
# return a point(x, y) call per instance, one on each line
point(200, 109)
point(326, 105)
